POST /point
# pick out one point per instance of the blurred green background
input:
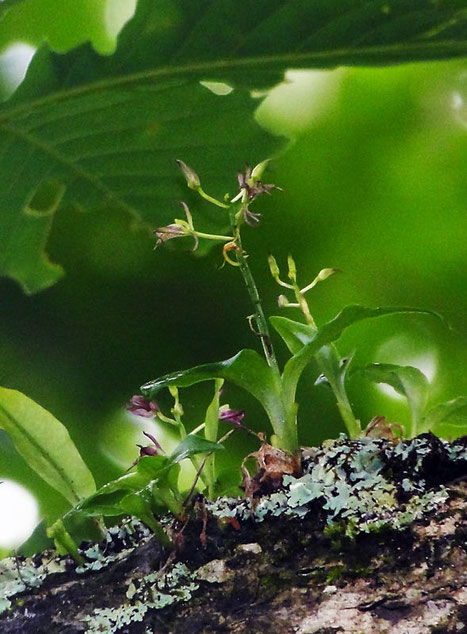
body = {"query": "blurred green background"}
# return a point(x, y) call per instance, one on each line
point(374, 183)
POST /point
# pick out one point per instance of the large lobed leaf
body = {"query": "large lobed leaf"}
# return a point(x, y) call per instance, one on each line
point(100, 129)
point(46, 445)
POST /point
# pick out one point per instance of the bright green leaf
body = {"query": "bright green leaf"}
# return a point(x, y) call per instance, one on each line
point(6, 5)
point(107, 128)
point(406, 380)
point(328, 333)
point(46, 445)
point(294, 333)
point(448, 420)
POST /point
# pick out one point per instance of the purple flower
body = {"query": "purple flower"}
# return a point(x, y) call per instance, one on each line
point(178, 229)
point(233, 416)
point(150, 451)
point(168, 233)
point(253, 186)
point(139, 406)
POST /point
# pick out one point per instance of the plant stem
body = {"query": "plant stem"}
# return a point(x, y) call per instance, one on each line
point(260, 317)
point(328, 360)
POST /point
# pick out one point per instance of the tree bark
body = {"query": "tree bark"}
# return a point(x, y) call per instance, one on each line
point(282, 574)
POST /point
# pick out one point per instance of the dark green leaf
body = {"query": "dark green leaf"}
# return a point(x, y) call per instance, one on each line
point(149, 469)
point(192, 445)
point(330, 332)
point(246, 369)
point(106, 128)
point(46, 445)
point(448, 420)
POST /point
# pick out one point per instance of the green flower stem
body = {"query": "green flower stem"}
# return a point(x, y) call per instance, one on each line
point(261, 321)
point(328, 360)
point(333, 376)
point(212, 236)
point(210, 199)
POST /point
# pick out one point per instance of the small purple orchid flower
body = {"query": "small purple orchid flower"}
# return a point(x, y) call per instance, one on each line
point(252, 185)
point(150, 451)
point(233, 416)
point(139, 406)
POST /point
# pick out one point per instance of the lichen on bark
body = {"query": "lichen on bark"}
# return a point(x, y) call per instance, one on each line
point(372, 537)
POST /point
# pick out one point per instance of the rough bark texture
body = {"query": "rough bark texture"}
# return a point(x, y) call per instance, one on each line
point(283, 574)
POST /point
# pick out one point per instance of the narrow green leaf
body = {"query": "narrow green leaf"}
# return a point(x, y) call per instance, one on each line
point(212, 413)
point(107, 127)
point(330, 332)
point(211, 428)
point(406, 380)
point(448, 420)
point(246, 370)
point(46, 445)
point(192, 445)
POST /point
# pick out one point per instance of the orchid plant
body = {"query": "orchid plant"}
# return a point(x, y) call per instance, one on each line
point(152, 484)
point(273, 387)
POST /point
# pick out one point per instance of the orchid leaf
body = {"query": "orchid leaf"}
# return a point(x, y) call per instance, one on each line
point(246, 370)
point(45, 444)
point(140, 504)
point(192, 445)
point(405, 380)
point(448, 420)
point(91, 130)
point(6, 5)
point(331, 332)
point(295, 334)
point(148, 469)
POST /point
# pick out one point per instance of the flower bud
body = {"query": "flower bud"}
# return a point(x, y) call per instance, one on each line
point(139, 406)
point(273, 267)
point(257, 172)
point(233, 416)
point(325, 273)
point(292, 268)
point(192, 178)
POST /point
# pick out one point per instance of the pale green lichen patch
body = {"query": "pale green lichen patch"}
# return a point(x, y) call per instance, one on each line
point(119, 542)
point(18, 575)
point(367, 483)
point(152, 592)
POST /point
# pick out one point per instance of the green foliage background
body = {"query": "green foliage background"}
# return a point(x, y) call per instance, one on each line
point(374, 184)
